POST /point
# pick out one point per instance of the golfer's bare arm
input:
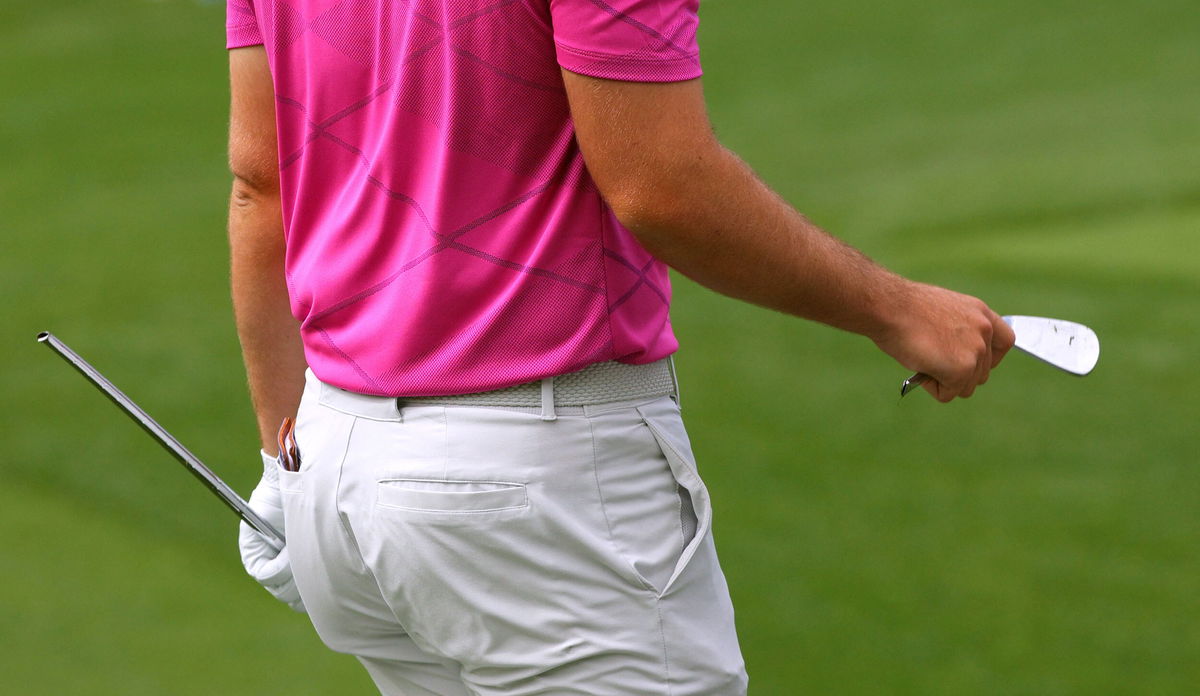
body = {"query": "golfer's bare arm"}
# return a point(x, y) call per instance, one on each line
point(270, 336)
point(651, 150)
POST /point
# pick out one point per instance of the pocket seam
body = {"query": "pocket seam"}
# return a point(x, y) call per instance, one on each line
point(292, 479)
point(630, 566)
point(507, 484)
point(703, 519)
point(509, 487)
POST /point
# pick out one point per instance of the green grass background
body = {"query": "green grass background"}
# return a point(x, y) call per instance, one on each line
point(1040, 538)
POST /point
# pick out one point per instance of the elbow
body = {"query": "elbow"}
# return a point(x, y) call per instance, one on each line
point(255, 177)
point(647, 197)
point(630, 207)
point(255, 218)
point(654, 210)
point(251, 192)
point(666, 195)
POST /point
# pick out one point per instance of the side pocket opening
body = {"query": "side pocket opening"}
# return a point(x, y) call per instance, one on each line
point(695, 506)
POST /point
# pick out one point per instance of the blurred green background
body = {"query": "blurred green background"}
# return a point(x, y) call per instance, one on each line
point(1040, 538)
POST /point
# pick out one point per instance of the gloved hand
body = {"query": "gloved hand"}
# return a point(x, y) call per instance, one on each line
point(272, 570)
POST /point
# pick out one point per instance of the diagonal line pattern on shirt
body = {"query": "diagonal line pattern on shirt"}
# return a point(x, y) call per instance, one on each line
point(320, 130)
point(647, 30)
point(449, 241)
point(357, 368)
point(444, 242)
point(522, 268)
point(396, 195)
point(364, 294)
point(468, 18)
point(413, 55)
point(642, 279)
point(382, 89)
point(317, 130)
point(412, 10)
point(377, 183)
point(506, 75)
point(292, 103)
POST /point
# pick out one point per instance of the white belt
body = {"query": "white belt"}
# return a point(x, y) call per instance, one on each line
point(600, 383)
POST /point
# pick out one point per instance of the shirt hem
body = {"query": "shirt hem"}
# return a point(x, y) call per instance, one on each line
point(241, 37)
point(628, 68)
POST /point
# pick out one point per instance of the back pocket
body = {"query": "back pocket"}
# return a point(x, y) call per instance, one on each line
point(454, 497)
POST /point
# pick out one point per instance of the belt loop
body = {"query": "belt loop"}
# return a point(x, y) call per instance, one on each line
point(548, 412)
point(674, 378)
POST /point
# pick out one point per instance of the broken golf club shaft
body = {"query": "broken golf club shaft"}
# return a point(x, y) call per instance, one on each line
point(1071, 347)
point(189, 460)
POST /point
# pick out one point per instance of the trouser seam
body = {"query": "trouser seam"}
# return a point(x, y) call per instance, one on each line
point(596, 477)
point(337, 494)
point(662, 632)
point(344, 520)
point(612, 542)
point(445, 443)
point(683, 541)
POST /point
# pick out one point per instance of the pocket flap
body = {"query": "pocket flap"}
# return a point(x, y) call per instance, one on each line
point(451, 496)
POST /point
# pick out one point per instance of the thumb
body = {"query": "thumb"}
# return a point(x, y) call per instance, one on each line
point(1003, 338)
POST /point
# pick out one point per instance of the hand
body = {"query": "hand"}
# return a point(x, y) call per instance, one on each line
point(956, 339)
point(272, 569)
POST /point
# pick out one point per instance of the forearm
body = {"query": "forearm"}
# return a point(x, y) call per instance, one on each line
point(651, 151)
point(269, 334)
point(714, 221)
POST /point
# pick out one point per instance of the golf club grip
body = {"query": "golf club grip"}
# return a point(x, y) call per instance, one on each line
point(913, 382)
point(164, 438)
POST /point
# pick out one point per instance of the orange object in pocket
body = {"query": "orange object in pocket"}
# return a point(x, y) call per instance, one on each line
point(289, 453)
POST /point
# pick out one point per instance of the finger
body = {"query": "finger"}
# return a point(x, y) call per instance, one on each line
point(942, 391)
point(986, 357)
point(939, 391)
point(968, 387)
point(983, 366)
point(272, 571)
point(250, 536)
point(1003, 338)
point(957, 382)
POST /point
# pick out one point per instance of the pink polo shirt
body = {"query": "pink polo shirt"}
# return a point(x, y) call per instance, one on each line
point(443, 234)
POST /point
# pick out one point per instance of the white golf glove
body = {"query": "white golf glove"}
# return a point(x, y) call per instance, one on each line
point(272, 569)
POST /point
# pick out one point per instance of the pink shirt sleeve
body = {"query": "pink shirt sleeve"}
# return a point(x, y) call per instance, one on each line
point(241, 26)
point(633, 40)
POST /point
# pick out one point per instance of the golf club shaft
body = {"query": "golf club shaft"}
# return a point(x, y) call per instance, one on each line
point(913, 382)
point(164, 438)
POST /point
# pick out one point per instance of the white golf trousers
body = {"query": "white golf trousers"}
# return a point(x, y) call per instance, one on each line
point(461, 550)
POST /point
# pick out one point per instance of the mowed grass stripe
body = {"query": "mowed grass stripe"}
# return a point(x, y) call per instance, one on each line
point(95, 605)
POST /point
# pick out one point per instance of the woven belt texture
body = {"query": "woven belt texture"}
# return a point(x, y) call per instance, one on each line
point(600, 383)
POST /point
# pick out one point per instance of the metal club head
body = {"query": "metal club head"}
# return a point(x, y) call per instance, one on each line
point(1067, 345)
